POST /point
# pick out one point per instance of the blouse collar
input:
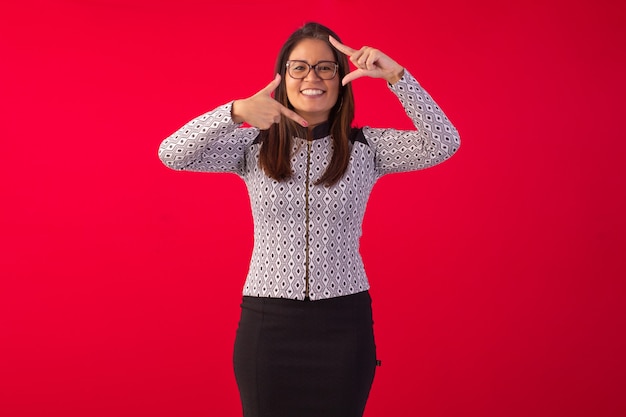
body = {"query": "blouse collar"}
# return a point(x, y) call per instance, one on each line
point(321, 131)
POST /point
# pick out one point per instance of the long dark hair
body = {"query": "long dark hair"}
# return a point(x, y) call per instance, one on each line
point(275, 152)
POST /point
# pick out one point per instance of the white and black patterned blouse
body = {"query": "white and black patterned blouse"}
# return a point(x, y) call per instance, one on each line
point(306, 236)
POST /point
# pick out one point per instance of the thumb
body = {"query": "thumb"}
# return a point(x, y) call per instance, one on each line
point(272, 85)
point(358, 73)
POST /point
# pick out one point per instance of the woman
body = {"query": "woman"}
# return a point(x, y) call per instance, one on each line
point(305, 343)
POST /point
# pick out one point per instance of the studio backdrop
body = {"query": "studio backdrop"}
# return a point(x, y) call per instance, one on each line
point(497, 277)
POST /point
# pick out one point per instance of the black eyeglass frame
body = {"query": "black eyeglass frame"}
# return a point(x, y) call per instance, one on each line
point(314, 67)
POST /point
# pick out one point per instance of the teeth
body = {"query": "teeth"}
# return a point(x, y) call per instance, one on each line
point(311, 92)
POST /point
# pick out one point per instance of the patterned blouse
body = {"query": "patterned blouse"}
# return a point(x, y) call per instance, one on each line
point(306, 236)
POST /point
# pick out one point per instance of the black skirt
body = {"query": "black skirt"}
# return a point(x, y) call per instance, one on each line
point(305, 358)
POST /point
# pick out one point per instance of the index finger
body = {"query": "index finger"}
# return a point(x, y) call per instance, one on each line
point(293, 116)
point(341, 47)
point(272, 85)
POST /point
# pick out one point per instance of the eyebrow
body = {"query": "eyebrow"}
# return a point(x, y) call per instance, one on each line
point(321, 60)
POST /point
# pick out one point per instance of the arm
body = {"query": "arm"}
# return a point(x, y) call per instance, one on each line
point(212, 142)
point(215, 142)
point(434, 141)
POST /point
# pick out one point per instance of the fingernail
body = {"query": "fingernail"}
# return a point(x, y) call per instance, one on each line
point(305, 123)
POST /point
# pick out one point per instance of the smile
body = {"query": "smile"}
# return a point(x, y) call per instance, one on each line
point(312, 92)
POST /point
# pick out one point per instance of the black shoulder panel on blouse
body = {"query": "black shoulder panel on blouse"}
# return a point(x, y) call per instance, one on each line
point(356, 135)
point(260, 137)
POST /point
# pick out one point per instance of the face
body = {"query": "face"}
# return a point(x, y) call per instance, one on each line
point(312, 97)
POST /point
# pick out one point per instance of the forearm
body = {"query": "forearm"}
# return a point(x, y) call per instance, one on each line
point(430, 121)
point(434, 140)
point(187, 148)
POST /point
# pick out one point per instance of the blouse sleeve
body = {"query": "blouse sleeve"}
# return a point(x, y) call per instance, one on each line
point(434, 141)
point(211, 142)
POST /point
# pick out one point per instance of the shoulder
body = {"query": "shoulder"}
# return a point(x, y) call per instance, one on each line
point(260, 136)
point(357, 135)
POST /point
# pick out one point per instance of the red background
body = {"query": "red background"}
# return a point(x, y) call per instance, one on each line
point(497, 277)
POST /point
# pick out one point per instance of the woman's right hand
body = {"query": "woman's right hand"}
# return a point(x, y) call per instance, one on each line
point(261, 110)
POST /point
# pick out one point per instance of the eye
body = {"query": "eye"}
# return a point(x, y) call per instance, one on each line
point(297, 66)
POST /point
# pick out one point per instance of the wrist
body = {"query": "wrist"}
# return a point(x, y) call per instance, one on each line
point(235, 113)
point(396, 76)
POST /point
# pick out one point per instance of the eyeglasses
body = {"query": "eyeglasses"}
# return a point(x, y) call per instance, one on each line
point(326, 70)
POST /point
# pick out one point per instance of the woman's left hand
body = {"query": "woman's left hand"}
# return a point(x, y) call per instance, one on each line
point(369, 62)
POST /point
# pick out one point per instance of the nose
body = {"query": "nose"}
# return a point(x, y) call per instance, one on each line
point(312, 75)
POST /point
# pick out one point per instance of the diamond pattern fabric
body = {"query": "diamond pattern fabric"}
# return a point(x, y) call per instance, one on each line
point(278, 268)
